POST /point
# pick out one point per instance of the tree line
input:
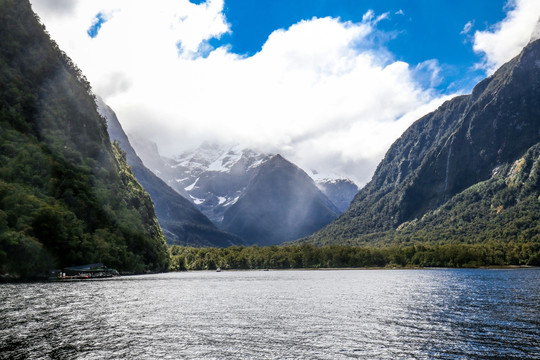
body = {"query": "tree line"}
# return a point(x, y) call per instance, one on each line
point(337, 256)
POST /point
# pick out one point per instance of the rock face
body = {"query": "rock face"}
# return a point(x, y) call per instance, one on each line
point(463, 143)
point(181, 221)
point(281, 203)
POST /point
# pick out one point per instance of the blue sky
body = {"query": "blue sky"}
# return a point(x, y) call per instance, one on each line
point(329, 84)
point(414, 31)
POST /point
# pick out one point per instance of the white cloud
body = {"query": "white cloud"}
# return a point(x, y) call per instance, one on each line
point(54, 8)
point(370, 18)
point(429, 73)
point(467, 28)
point(313, 92)
point(505, 40)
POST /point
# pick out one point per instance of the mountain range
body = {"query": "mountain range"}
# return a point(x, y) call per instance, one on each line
point(465, 172)
point(214, 176)
point(181, 221)
point(468, 172)
point(224, 181)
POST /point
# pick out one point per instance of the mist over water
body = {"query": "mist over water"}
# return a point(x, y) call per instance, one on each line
point(402, 314)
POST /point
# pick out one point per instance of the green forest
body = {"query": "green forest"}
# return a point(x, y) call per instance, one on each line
point(504, 208)
point(336, 256)
point(67, 195)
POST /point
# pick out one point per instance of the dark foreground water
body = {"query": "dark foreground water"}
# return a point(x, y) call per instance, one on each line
point(367, 314)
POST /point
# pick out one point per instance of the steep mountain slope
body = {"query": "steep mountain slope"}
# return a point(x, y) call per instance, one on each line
point(448, 155)
point(281, 203)
point(67, 196)
point(503, 208)
point(182, 223)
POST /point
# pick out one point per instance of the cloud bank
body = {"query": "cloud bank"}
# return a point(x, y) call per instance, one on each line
point(320, 92)
point(504, 40)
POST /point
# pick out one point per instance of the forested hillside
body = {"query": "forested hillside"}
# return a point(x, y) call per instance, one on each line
point(67, 196)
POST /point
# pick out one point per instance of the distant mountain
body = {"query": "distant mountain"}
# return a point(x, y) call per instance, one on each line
point(217, 177)
point(281, 203)
point(67, 195)
point(465, 172)
point(214, 176)
point(181, 221)
point(340, 191)
point(162, 166)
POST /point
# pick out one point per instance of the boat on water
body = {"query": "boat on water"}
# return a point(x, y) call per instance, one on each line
point(83, 272)
point(218, 269)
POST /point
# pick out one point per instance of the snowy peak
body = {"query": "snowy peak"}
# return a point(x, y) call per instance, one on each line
point(199, 159)
point(218, 158)
point(340, 190)
point(227, 160)
point(215, 176)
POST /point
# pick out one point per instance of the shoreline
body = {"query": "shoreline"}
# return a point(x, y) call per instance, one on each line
point(13, 280)
point(493, 267)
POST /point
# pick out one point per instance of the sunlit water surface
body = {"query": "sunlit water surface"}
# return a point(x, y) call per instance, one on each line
point(368, 314)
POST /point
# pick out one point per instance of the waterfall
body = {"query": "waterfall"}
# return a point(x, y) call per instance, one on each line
point(447, 171)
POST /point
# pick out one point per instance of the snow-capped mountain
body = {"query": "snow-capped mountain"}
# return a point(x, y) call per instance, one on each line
point(182, 223)
point(214, 177)
point(280, 204)
point(339, 190)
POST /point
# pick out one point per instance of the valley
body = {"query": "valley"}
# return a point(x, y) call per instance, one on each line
point(228, 179)
point(462, 175)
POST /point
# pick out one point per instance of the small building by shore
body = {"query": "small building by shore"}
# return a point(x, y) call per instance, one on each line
point(89, 271)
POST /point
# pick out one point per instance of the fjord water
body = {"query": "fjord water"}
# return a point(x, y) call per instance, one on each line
point(368, 314)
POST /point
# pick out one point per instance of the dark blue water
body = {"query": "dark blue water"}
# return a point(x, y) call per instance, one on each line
point(366, 314)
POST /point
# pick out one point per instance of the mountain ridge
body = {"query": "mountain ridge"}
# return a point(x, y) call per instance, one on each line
point(447, 151)
point(214, 176)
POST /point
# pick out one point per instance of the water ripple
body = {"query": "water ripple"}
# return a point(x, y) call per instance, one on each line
point(417, 314)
